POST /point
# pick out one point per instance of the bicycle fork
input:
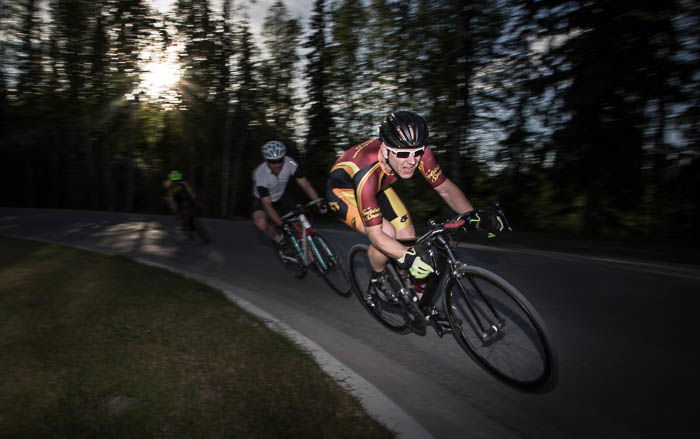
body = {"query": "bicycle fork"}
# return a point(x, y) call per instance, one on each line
point(487, 330)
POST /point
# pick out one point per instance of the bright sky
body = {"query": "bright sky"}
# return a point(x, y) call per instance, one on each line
point(162, 73)
point(300, 9)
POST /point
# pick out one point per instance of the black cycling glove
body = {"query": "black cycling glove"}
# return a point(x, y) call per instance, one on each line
point(419, 268)
point(321, 206)
point(489, 221)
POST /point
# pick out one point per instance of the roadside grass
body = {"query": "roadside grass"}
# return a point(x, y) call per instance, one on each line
point(100, 346)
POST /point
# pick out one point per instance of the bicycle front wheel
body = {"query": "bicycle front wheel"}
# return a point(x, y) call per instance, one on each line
point(289, 259)
point(497, 326)
point(330, 265)
point(390, 315)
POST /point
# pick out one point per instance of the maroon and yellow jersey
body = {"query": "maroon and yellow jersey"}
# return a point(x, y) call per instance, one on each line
point(360, 169)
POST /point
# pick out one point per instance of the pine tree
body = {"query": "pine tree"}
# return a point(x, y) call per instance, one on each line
point(281, 36)
point(348, 74)
point(320, 150)
point(607, 63)
point(247, 114)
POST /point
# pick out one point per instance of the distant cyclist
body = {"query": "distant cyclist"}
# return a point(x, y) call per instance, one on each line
point(178, 195)
point(271, 199)
point(359, 191)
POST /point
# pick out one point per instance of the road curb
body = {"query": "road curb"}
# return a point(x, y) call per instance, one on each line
point(377, 405)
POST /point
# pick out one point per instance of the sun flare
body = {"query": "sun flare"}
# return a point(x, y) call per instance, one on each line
point(162, 5)
point(159, 77)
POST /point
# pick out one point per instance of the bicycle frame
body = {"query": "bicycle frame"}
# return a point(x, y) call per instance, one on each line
point(303, 244)
point(445, 262)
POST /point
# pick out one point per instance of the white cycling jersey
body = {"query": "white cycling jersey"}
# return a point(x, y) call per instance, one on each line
point(266, 183)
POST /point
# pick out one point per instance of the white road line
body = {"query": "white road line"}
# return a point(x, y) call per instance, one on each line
point(674, 270)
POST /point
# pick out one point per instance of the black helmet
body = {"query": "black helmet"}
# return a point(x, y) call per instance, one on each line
point(403, 129)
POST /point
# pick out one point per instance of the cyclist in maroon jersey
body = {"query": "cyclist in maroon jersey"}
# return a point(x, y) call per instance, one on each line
point(359, 191)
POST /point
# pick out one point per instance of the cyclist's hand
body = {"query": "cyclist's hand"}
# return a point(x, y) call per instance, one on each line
point(321, 206)
point(490, 221)
point(415, 265)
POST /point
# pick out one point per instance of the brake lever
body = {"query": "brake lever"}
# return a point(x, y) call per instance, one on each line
point(453, 225)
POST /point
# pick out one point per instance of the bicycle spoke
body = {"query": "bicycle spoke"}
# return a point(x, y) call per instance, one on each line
point(390, 316)
point(516, 351)
point(480, 328)
point(290, 261)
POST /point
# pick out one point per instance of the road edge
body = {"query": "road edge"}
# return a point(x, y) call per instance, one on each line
point(376, 403)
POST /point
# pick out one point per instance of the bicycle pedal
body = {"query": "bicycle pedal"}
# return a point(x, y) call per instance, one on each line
point(440, 321)
point(442, 330)
point(444, 326)
point(418, 328)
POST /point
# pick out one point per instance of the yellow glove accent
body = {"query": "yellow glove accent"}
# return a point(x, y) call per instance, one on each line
point(420, 269)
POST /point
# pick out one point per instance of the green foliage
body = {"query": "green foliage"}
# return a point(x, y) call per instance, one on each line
point(319, 147)
point(281, 37)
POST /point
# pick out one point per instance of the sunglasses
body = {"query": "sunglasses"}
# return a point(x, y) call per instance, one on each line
point(403, 154)
point(276, 161)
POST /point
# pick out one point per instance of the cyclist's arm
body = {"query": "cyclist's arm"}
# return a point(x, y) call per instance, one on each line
point(454, 197)
point(190, 191)
point(308, 189)
point(270, 210)
point(388, 245)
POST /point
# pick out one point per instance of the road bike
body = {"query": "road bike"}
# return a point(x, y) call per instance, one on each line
point(190, 223)
point(489, 318)
point(303, 247)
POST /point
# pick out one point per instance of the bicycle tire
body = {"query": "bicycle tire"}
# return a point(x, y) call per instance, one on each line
point(335, 274)
point(391, 316)
point(289, 260)
point(517, 350)
point(201, 230)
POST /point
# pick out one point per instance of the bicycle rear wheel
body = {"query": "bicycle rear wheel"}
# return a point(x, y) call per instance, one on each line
point(497, 326)
point(330, 265)
point(390, 315)
point(201, 230)
point(289, 259)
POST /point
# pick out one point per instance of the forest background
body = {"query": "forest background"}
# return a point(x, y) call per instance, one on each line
point(581, 117)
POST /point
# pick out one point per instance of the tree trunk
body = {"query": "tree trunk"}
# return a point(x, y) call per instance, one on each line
point(226, 165)
point(90, 164)
point(236, 172)
point(29, 181)
point(107, 183)
point(131, 139)
point(54, 172)
point(129, 195)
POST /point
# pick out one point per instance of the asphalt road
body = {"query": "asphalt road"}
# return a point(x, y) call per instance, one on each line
point(625, 332)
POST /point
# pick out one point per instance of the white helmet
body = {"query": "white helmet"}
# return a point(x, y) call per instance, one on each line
point(273, 150)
